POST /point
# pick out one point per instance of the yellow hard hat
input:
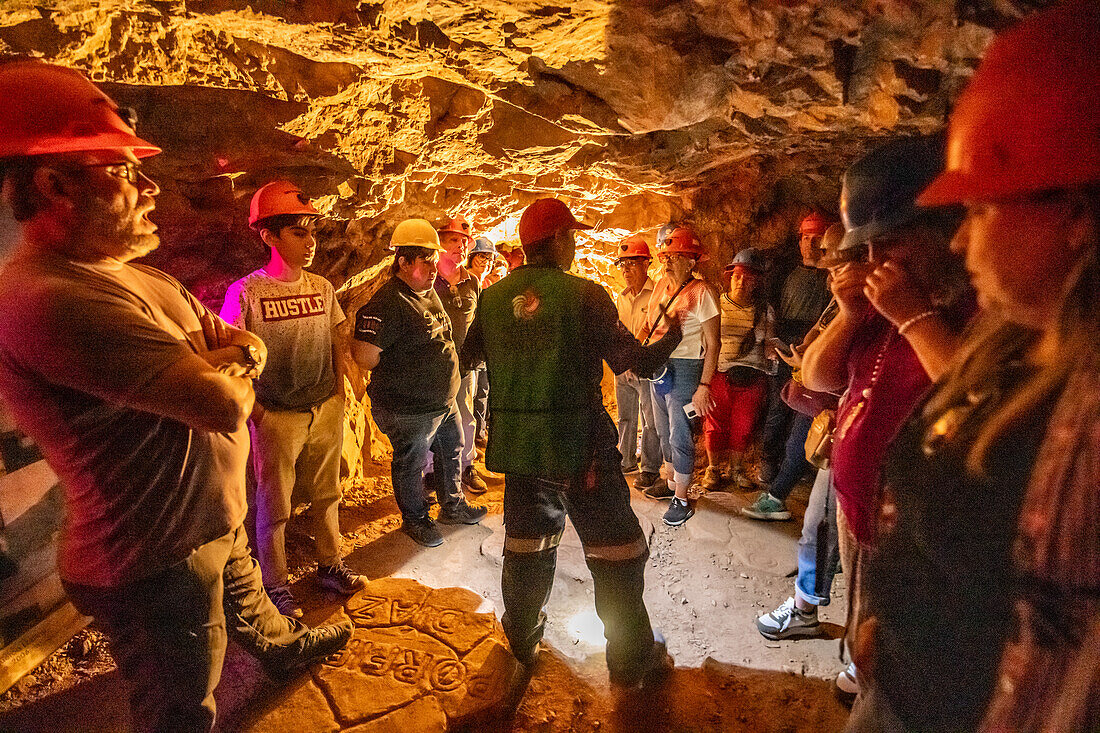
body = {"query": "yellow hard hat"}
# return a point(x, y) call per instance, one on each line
point(415, 233)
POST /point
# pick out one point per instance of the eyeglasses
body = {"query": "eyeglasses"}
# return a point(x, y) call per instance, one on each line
point(127, 170)
point(632, 262)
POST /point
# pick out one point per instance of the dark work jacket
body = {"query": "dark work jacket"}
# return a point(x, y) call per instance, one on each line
point(940, 580)
point(544, 335)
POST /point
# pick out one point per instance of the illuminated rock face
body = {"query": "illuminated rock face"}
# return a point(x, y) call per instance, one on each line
point(733, 114)
point(419, 659)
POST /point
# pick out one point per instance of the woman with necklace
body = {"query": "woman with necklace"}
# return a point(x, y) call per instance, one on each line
point(903, 303)
point(1014, 428)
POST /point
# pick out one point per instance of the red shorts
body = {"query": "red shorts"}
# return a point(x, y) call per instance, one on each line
point(732, 421)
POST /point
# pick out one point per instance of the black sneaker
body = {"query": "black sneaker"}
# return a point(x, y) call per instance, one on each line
point(472, 482)
point(313, 646)
point(660, 490)
point(679, 511)
point(465, 514)
point(422, 531)
point(283, 599)
point(645, 480)
point(655, 672)
point(339, 578)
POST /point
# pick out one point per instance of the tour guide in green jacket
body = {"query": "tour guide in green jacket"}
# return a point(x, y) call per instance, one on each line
point(544, 335)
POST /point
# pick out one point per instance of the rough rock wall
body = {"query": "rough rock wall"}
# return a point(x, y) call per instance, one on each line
point(735, 115)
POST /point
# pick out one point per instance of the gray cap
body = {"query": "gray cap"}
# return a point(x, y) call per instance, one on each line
point(879, 191)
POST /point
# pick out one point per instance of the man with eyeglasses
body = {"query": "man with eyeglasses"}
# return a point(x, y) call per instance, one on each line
point(137, 395)
point(632, 395)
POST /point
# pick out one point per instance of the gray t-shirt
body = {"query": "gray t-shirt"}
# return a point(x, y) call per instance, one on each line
point(295, 320)
point(142, 491)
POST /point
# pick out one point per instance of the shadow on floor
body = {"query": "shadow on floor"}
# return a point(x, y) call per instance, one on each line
point(713, 698)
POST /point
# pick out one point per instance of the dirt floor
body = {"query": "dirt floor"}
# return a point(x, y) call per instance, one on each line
point(706, 583)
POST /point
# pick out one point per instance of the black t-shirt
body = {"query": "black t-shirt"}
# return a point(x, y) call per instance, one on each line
point(418, 369)
point(459, 302)
point(940, 579)
point(805, 295)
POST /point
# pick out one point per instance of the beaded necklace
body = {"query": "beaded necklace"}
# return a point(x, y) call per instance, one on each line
point(855, 411)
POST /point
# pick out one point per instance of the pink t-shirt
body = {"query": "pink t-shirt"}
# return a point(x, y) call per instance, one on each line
point(863, 433)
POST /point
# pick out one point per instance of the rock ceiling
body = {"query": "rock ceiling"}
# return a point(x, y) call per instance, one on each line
point(736, 115)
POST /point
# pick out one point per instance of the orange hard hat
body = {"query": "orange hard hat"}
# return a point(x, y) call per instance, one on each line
point(1030, 118)
point(458, 225)
point(814, 224)
point(683, 241)
point(278, 198)
point(543, 219)
point(634, 247)
point(50, 109)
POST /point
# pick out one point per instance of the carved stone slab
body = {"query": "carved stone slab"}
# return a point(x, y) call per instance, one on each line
point(420, 659)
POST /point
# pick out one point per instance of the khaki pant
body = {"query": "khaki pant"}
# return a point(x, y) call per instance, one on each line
point(297, 450)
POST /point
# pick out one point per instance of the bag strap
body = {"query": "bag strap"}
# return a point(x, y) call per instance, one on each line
point(664, 310)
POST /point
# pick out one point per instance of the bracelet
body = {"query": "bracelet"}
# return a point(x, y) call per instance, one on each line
point(915, 320)
point(704, 384)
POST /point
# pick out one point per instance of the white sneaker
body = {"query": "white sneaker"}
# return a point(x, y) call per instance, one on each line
point(788, 622)
point(847, 684)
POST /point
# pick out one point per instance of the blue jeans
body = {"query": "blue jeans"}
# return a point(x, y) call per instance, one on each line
point(670, 394)
point(634, 396)
point(794, 465)
point(412, 435)
point(819, 546)
point(481, 400)
point(777, 423)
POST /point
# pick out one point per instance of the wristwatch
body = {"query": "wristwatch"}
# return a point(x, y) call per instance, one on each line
point(251, 359)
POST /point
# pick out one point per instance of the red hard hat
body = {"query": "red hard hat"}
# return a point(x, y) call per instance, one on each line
point(543, 219)
point(458, 225)
point(49, 109)
point(814, 224)
point(276, 198)
point(634, 246)
point(1030, 119)
point(683, 241)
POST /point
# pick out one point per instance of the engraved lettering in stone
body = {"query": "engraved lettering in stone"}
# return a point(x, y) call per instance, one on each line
point(376, 658)
point(484, 686)
point(448, 675)
point(346, 656)
point(408, 665)
point(373, 611)
point(402, 611)
point(446, 621)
